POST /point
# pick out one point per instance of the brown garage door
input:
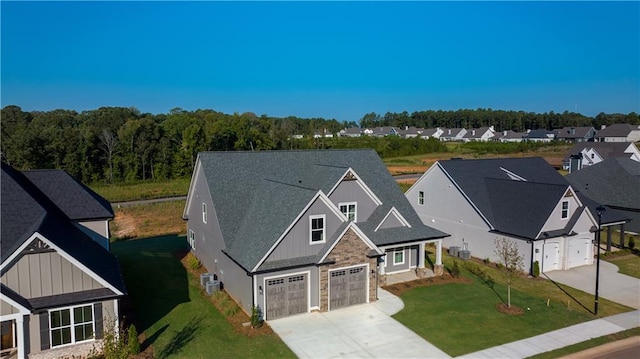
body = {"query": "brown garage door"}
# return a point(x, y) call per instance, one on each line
point(286, 296)
point(347, 287)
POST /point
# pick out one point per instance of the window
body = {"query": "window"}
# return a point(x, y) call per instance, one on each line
point(398, 257)
point(192, 239)
point(349, 210)
point(317, 228)
point(421, 198)
point(565, 209)
point(71, 325)
point(204, 212)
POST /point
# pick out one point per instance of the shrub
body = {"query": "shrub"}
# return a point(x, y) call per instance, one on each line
point(231, 310)
point(486, 260)
point(536, 269)
point(455, 271)
point(256, 317)
point(193, 262)
point(116, 343)
point(632, 242)
point(133, 345)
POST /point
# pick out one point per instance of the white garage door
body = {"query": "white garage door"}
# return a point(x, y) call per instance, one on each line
point(579, 251)
point(347, 287)
point(286, 296)
point(551, 256)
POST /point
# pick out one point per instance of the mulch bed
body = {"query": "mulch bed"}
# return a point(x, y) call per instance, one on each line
point(399, 288)
point(504, 308)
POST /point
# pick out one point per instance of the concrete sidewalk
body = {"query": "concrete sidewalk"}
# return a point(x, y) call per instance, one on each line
point(562, 337)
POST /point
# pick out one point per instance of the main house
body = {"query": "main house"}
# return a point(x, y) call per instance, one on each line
point(59, 285)
point(295, 231)
point(523, 199)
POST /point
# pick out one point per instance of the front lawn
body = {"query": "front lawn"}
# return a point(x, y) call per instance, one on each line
point(176, 318)
point(628, 263)
point(462, 318)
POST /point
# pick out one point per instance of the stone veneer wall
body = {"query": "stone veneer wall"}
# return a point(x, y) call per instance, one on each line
point(349, 251)
point(79, 351)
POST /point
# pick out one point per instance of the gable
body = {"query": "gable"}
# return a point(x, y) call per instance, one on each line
point(351, 243)
point(352, 189)
point(40, 271)
point(393, 219)
point(555, 221)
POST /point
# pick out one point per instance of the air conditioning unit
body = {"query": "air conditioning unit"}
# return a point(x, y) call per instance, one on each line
point(212, 287)
point(453, 251)
point(464, 254)
point(206, 277)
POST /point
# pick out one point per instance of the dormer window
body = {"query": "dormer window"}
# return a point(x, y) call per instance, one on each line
point(349, 210)
point(565, 209)
point(421, 198)
point(317, 231)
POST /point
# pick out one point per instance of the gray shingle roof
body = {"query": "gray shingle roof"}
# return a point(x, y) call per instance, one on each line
point(573, 132)
point(257, 195)
point(617, 130)
point(604, 149)
point(539, 133)
point(76, 200)
point(26, 209)
point(614, 182)
point(515, 207)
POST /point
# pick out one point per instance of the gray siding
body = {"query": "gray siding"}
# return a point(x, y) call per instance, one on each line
point(6, 308)
point(390, 267)
point(414, 256)
point(297, 242)
point(391, 221)
point(555, 220)
point(313, 284)
point(350, 191)
point(45, 274)
point(209, 246)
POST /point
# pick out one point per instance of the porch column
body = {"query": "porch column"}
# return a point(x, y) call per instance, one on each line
point(622, 236)
point(20, 332)
point(421, 255)
point(609, 239)
point(439, 252)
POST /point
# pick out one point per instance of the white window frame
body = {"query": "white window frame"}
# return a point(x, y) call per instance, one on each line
point(72, 325)
point(355, 209)
point(421, 198)
point(564, 213)
point(204, 212)
point(324, 228)
point(192, 239)
point(395, 252)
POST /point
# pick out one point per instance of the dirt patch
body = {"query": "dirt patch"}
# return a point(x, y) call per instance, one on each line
point(399, 288)
point(399, 170)
point(149, 220)
point(514, 310)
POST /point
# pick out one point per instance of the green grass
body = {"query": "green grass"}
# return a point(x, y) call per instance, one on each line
point(588, 344)
point(177, 319)
point(628, 263)
point(143, 190)
point(462, 318)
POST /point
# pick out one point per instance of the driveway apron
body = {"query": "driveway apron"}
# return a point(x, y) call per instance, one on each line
point(614, 286)
point(361, 331)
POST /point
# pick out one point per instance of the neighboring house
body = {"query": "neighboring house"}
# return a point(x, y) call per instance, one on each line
point(540, 135)
point(410, 132)
point(324, 133)
point(59, 287)
point(432, 133)
point(576, 134)
point(614, 183)
point(622, 132)
point(350, 132)
point(382, 131)
point(482, 134)
point(596, 152)
point(453, 134)
point(523, 199)
point(295, 231)
point(511, 136)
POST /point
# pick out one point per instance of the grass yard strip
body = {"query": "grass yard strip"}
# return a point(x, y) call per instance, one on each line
point(628, 264)
point(177, 319)
point(588, 344)
point(149, 220)
point(122, 192)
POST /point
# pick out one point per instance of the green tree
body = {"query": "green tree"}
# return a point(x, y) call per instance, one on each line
point(512, 262)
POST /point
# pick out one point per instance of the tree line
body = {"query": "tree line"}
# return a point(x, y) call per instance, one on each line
point(115, 144)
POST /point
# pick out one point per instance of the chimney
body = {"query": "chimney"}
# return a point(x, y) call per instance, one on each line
point(572, 131)
point(602, 127)
point(473, 132)
point(504, 133)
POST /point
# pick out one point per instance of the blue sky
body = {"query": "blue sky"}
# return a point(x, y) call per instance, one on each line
point(322, 59)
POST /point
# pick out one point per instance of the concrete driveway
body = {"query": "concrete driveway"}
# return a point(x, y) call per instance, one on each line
point(614, 286)
point(361, 331)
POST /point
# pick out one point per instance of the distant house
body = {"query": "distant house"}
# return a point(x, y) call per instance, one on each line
point(294, 231)
point(432, 133)
point(324, 133)
point(576, 134)
point(383, 131)
point(59, 285)
point(614, 183)
point(596, 152)
point(510, 136)
point(622, 132)
point(482, 134)
point(540, 135)
point(350, 132)
point(522, 199)
point(410, 132)
point(453, 134)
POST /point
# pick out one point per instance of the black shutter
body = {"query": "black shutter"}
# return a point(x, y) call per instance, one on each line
point(97, 317)
point(44, 331)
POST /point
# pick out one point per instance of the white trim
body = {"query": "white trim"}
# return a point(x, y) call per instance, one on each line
point(355, 209)
point(579, 205)
point(324, 199)
point(21, 310)
point(398, 216)
point(360, 234)
point(421, 198)
point(360, 182)
point(562, 209)
point(192, 239)
point(204, 213)
point(194, 177)
point(366, 270)
point(396, 251)
point(264, 285)
point(406, 244)
point(20, 249)
point(324, 228)
point(72, 324)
